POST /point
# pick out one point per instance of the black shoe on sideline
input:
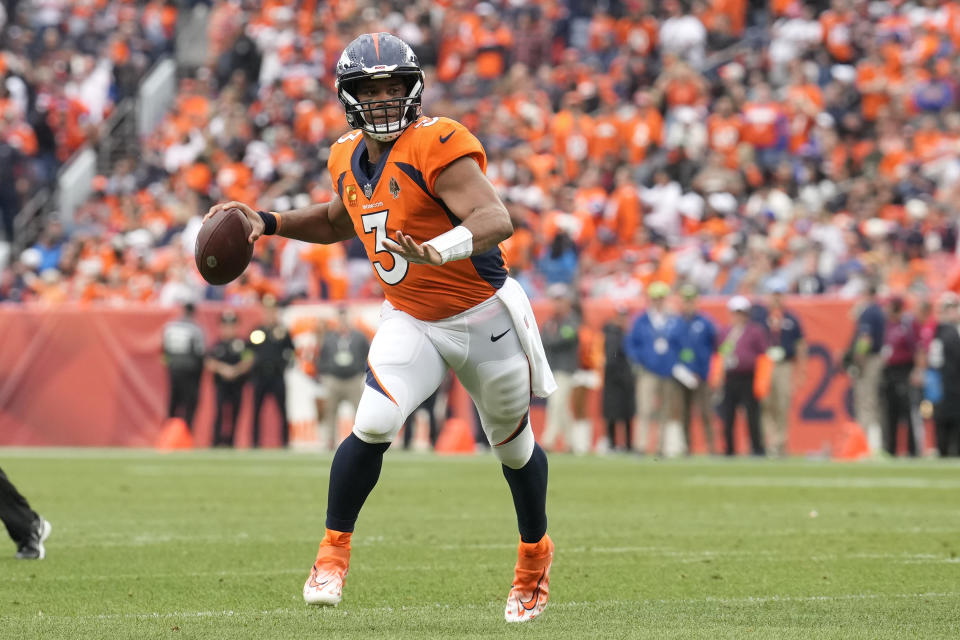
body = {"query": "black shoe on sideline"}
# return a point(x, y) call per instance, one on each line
point(33, 549)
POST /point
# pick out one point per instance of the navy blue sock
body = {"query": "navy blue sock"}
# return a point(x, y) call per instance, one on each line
point(353, 474)
point(528, 484)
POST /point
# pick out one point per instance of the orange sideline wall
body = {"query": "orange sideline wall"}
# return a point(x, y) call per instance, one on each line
point(93, 377)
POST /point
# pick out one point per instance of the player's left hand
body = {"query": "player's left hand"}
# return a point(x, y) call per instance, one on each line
point(406, 247)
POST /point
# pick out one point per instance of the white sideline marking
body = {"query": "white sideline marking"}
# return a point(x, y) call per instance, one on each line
point(821, 483)
point(343, 611)
point(149, 539)
point(686, 557)
point(792, 531)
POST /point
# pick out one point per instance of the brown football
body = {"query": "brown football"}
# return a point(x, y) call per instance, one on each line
point(222, 251)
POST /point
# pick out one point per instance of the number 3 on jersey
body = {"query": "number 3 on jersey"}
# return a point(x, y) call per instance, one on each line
point(377, 223)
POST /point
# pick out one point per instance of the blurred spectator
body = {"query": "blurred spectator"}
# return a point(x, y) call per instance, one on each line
point(682, 34)
point(585, 379)
point(619, 396)
point(653, 346)
point(559, 261)
point(864, 363)
point(9, 200)
point(740, 346)
point(561, 342)
point(698, 343)
point(341, 364)
point(944, 357)
point(50, 246)
point(903, 364)
point(430, 406)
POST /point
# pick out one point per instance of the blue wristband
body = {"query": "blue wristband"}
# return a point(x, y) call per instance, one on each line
point(269, 222)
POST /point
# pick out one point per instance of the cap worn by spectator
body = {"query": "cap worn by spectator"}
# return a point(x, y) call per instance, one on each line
point(738, 304)
point(948, 300)
point(658, 290)
point(558, 291)
point(777, 286)
point(689, 291)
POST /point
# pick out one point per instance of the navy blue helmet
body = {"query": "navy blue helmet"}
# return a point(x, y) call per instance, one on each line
point(370, 57)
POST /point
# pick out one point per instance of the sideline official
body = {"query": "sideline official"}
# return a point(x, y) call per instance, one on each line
point(272, 349)
point(698, 344)
point(227, 360)
point(653, 346)
point(944, 357)
point(183, 351)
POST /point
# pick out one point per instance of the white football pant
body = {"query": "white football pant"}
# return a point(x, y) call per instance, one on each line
point(409, 357)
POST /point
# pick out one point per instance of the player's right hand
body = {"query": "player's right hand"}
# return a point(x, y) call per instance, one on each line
point(256, 223)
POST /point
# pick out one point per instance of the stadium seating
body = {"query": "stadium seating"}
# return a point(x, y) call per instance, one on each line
point(699, 143)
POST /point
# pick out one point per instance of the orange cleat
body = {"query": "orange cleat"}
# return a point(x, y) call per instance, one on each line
point(325, 584)
point(531, 582)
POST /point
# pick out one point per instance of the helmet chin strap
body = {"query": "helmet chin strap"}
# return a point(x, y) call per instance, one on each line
point(384, 137)
point(393, 129)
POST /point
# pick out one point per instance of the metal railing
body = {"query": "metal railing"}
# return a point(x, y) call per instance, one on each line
point(118, 136)
point(155, 95)
point(26, 225)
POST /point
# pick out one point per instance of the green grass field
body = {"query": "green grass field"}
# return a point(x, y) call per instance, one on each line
point(218, 544)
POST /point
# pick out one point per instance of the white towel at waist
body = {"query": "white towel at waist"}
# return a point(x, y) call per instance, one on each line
point(515, 300)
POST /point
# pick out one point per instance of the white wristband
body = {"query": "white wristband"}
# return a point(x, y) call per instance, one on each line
point(455, 244)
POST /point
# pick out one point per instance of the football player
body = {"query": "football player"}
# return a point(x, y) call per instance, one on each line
point(413, 189)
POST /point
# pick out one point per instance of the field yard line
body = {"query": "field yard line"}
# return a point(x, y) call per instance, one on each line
point(821, 483)
point(305, 609)
point(688, 556)
point(793, 531)
point(680, 556)
point(154, 576)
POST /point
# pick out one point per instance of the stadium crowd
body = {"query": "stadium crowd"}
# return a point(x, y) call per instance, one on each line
point(64, 66)
point(735, 145)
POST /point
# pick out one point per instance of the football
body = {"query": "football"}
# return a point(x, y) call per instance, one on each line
point(222, 251)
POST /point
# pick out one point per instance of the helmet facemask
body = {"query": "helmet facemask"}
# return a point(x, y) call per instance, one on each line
point(364, 115)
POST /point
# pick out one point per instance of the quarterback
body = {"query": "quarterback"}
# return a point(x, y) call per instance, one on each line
point(413, 189)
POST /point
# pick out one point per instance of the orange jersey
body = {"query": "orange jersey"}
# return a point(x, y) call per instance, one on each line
point(723, 135)
point(400, 196)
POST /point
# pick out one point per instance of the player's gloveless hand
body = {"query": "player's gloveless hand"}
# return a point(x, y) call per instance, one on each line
point(406, 247)
point(256, 223)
